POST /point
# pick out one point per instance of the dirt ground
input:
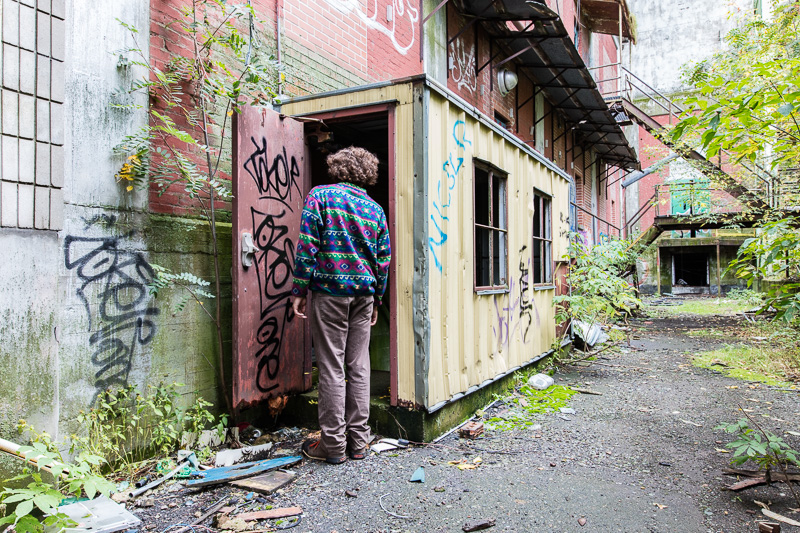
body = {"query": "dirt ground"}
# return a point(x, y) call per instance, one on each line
point(642, 456)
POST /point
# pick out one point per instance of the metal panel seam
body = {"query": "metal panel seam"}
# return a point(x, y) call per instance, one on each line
point(420, 283)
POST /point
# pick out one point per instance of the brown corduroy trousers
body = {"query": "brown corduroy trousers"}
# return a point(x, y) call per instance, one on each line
point(340, 330)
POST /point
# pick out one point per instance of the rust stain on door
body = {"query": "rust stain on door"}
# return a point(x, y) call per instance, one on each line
point(271, 354)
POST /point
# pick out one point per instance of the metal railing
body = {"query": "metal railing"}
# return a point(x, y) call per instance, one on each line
point(689, 198)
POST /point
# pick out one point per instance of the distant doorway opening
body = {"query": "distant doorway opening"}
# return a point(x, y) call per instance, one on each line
point(690, 269)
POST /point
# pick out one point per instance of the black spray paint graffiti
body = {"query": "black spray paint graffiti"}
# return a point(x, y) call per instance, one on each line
point(525, 302)
point(118, 281)
point(275, 265)
point(276, 180)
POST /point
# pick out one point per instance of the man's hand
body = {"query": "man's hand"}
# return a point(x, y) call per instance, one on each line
point(374, 315)
point(299, 306)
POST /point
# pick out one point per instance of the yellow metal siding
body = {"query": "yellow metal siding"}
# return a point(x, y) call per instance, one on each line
point(402, 249)
point(476, 337)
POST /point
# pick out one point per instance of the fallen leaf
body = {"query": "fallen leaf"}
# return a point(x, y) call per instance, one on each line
point(720, 450)
point(659, 505)
point(467, 467)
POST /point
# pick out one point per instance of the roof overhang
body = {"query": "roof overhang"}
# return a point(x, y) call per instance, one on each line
point(610, 17)
point(541, 46)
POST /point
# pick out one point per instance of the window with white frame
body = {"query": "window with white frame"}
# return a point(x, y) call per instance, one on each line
point(542, 240)
point(491, 228)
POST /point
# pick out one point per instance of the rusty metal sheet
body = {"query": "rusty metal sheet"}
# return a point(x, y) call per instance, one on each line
point(271, 347)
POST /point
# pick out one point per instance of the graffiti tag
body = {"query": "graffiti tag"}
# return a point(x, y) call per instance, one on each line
point(401, 30)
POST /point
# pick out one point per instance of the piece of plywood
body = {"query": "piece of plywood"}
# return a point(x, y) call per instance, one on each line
point(266, 483)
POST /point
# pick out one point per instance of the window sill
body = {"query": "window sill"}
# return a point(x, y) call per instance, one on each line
point(544, 287)
point(482, 292)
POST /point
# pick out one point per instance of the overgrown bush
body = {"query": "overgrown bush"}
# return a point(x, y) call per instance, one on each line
point(126, 427)
point(598, 292)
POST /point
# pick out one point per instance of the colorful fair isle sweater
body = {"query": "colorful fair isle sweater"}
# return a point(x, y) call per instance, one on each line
point(343, 247)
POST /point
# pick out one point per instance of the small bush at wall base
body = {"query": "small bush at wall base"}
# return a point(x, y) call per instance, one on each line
point(126, 427)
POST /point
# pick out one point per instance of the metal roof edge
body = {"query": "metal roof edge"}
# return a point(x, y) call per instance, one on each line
point(357, 88)
point(488, 122)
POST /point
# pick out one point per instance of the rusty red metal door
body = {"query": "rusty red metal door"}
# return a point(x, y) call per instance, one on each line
point(271, 347)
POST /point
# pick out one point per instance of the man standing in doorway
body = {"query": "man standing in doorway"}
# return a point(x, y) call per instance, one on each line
point(343, 256)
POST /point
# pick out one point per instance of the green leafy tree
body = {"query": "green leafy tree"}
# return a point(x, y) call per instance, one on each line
point(746, 106)
point(186, 143)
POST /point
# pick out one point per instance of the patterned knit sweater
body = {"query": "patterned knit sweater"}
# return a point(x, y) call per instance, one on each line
point(343, 247)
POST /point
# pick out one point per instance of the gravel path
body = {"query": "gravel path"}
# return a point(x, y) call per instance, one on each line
point(643, 456)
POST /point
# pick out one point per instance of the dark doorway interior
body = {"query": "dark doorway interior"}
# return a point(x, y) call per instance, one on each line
point(372, 133)
point(690, 269)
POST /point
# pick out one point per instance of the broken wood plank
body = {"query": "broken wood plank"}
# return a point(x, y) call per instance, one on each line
point(769, 527)
point(266, 483)
point(270, 513)
point(232, 473)
point(780, 518)
point(756, 473)
point(586, 391)
point(747, 483)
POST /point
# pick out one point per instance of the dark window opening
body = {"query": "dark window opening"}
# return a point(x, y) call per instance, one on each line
point(503, 121)
point(690, 269)
point(542, 240)
point(491, 233)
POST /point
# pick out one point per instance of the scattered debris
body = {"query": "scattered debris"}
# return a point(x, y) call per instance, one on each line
point(266, 483)
point(567, 410)
point(756, 477)
point(418, 476)
point(588, 335)
point(775, 516)
point(540, 382)
point(270, 513)
point(581, 521)
point(240, 471)
point(189, 459)
point(769, 527)
point(350, 494)
point(100, 515)
point(471, 430)
point(247, 453)
point(695, 424)
point(477, 525)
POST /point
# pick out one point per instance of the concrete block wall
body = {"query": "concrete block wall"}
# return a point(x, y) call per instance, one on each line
point(75, 311)
point(32, 145)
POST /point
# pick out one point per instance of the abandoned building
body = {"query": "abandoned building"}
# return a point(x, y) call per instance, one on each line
point(495, 142)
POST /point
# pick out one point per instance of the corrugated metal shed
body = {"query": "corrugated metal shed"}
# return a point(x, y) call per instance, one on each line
point(451, 339)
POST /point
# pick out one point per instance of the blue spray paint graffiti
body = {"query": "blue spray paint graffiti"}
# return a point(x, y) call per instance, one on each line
point(452, 167)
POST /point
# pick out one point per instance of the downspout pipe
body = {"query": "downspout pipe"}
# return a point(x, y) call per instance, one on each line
point(636, 176)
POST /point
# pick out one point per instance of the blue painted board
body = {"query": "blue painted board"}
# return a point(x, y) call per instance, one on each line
point(240, 471)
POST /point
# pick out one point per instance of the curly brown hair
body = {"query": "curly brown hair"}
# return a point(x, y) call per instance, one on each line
point(354, 165)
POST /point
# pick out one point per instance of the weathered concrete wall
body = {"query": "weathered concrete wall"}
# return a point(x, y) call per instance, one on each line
point(671, 34)
point(75, 308)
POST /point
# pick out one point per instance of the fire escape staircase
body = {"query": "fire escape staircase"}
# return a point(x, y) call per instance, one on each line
point(627, 112)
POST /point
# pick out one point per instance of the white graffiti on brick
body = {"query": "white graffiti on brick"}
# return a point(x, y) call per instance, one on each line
point(462, 70)
point(401, 29)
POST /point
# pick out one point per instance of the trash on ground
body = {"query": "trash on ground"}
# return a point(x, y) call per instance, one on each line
point(266, 483)
point(399, 443)
point(567, 410)
point(541, 382)
point(188, 459)
point(581, 521)
point(226, 474)
point(382, 447)
point(245, 454)
point(418, 476)
point(471, 430)
point(100, 515)
point(588, 335)
point(477, 525)
point(270, 514)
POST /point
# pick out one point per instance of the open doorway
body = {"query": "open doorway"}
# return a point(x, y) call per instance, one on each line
point(690, 269)
point(370, 128)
